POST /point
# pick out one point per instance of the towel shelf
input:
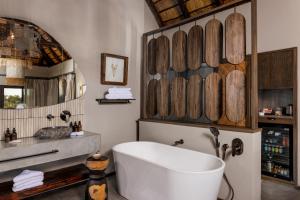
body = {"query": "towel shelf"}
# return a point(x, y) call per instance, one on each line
point(30, 156)
point(54, 180)
point(114, 101)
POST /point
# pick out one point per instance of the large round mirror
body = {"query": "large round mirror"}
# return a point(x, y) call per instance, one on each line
point(35, 70)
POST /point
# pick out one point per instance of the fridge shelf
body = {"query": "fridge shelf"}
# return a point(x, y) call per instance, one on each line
point(288, 178)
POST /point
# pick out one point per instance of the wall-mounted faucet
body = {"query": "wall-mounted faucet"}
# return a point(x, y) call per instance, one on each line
point(50, 117)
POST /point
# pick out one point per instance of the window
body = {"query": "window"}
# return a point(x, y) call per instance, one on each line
point(11, 97)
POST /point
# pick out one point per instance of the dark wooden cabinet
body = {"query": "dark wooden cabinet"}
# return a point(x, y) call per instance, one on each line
point(275, 69)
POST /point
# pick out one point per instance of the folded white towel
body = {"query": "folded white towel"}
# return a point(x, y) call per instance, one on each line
point(30, 181)
point(120, 92)
point(28, 186)
point(112, 90)
point(118, 96)
point(80, 133)
point(26, 174)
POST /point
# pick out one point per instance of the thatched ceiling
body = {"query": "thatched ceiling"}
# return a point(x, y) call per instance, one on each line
point(168, 12)
point(48, 52)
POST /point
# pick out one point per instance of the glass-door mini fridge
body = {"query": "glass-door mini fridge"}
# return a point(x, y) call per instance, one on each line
point(277, 151)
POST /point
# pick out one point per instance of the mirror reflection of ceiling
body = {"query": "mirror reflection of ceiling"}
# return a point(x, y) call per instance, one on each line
point(35, 70)
point(25, 40)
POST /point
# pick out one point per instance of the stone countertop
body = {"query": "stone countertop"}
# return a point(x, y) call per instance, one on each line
point(33, 140)
point(33, 151)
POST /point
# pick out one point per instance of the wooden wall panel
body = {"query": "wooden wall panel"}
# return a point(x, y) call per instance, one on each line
point(163, 97)
point(178, 94)
point(235, 38)
point(194, 96)
point(179, 48)
point(162, 54)
point(213, 42)
point(195, 47)
point(213, 98)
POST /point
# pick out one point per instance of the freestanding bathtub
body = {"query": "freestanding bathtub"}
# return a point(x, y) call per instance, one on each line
point(153, 171)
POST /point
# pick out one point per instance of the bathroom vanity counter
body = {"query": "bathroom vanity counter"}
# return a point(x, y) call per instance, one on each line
point(32, 151)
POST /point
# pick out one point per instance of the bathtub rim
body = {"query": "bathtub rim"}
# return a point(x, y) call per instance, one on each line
point(222, 167)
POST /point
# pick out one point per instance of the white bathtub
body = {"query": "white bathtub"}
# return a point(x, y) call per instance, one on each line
point(153, 171)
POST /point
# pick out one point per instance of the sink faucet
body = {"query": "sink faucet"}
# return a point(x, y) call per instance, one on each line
point(65, 115)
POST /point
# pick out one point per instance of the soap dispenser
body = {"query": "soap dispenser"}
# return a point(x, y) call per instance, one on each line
point(14, 134)
point(7, 135)
point(79, 126)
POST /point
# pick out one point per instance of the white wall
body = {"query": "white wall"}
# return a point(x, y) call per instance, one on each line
point(87, 29)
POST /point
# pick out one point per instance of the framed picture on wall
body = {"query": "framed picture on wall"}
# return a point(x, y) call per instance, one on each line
point(114, 69)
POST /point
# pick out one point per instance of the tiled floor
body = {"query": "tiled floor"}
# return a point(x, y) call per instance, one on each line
point(279, 191)
point(270, 191)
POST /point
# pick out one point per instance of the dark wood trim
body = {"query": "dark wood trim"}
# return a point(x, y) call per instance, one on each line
point(189, 124)
point(253, 70)
point(103, 67)
point(153, 10)
point(174, 18)
point(144, 77)
point(295, 113)
point(223, 7)
point(114, 101)
point(183, 8)
point(276, 119)
point(137, 130)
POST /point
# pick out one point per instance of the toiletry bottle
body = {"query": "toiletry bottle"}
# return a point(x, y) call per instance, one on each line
point(75, 127)
point(71, 126)
point(7, 135)
point(79, 126)
point(14, 134)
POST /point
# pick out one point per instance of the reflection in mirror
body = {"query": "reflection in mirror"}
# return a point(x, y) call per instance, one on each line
point(35, 70)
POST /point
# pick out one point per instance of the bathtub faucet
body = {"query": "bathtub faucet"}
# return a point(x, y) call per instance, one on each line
point(178, 142)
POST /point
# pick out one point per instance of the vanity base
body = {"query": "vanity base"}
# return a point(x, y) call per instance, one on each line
point(54, 180)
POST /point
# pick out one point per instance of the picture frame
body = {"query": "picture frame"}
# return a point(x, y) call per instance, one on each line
point(114, 69)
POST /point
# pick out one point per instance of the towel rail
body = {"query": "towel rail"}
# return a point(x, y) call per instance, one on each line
point(30, 156)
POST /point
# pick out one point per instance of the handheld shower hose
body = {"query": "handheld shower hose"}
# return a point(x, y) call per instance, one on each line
point(217, 145)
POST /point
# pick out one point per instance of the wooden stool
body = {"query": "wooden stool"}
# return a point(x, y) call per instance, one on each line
point(97, 186)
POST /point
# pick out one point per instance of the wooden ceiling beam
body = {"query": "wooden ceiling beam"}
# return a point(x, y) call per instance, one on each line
point(201, 8)
point(229, 5)
point(183, 8)
point(156, 1)
point(59, 58)
point(174, 18)
point(216, 2)
point(46, 57)
point(168, 8)
point(154, 11)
